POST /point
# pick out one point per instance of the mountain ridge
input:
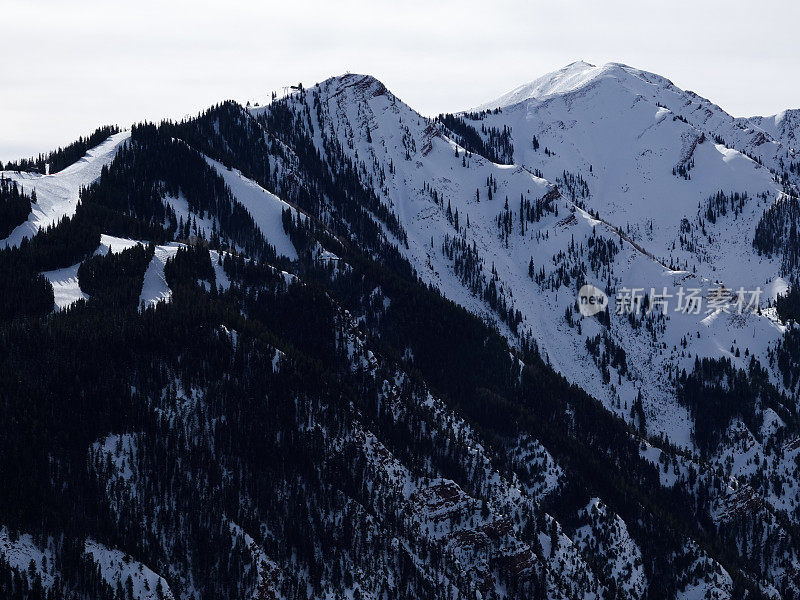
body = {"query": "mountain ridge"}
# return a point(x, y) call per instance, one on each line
point(579, 74)
point(325, 347)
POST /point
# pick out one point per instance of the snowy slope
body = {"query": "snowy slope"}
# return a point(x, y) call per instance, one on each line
point(265, 207)
point(66, 289)
point(634, 160)
point(120, 570)
point(625, 132)
point(597, 124)
point(606, 536)
point(768, 138)
point(57, 194)
point(65, 286)
point(22, 553)
point(154, 287)
point(574, 76)
point(612, 125)
point(783, 127)
point(113, 244)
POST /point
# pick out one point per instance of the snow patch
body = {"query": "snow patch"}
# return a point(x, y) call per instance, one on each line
point(66, 290)
point(154, 287)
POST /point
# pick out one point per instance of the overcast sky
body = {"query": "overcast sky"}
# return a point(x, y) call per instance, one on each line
point(67, 67)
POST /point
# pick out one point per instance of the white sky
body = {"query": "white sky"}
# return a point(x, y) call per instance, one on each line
point(68, 66)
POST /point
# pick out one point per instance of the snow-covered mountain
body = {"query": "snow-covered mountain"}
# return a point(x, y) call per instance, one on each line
point(607, 155)
point(353, 332)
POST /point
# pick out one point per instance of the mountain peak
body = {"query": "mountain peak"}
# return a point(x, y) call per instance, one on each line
point(357, 82)
point(575, 76)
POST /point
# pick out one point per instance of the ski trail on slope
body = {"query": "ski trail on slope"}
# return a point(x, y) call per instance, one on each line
point(57, 194)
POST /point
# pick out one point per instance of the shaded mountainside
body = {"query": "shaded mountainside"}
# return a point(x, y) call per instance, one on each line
point(329, 348)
